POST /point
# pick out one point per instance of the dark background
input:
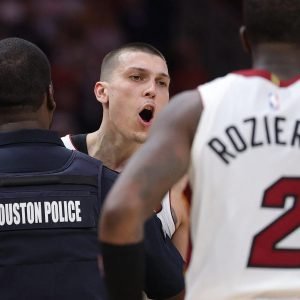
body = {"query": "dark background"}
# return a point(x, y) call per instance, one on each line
point(200, 39)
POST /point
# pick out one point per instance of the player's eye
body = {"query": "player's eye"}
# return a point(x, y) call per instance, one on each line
point(162, 83)
point(136, 77)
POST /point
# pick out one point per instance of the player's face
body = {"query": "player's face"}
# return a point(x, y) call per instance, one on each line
point(137, 90)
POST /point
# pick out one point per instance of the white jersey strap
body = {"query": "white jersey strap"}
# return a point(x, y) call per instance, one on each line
point(165, 216)
point(68, 142)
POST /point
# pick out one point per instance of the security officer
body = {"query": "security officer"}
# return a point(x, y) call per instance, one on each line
point(49, 196)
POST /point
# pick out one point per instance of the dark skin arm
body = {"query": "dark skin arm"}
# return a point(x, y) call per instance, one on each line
point(152, 171)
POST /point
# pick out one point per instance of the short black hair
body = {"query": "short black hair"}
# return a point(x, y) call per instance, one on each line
point(272, 20)
point(108, 62)
point(25, 74)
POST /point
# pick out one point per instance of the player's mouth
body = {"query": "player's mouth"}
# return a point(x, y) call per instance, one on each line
point(147, 114)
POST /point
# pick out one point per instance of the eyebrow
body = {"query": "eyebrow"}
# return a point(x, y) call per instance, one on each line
point(146, 70)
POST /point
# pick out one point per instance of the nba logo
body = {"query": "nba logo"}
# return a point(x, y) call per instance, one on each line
point(274, 101)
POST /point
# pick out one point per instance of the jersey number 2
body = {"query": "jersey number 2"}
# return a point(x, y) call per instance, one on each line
point(264, 253)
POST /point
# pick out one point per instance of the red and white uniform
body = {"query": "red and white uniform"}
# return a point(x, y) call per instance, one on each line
point(245, 177)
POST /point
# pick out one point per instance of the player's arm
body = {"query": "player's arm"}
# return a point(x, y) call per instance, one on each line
point(149, 174)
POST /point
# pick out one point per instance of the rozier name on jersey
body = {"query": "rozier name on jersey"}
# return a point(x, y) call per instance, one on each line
point(40, 212)
point(255, 132)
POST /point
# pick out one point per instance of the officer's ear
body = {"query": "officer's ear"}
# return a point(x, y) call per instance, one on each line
point(101, 92)
point(51, 104)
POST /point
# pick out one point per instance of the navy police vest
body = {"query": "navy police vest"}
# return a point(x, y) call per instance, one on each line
point(48, 232)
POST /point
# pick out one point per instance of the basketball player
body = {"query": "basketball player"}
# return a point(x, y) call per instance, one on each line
point(133, 89)
point(239, 135)
point(50, 197)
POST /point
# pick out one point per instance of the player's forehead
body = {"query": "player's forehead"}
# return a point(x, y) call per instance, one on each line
point(139, 60)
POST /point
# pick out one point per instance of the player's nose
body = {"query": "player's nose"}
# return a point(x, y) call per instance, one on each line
point(150, 90)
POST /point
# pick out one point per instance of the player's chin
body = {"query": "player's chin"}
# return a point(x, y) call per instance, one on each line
point(141, 137)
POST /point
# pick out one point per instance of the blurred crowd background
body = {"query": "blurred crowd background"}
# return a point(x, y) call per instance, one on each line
point(198, 37)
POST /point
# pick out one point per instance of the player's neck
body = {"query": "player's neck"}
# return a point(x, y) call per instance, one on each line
point(112, 149)
point(282, 59)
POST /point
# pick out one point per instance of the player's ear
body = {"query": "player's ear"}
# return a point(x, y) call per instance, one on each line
point(100, 91)
point(245, 39)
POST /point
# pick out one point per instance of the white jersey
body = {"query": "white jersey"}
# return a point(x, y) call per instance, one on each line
point(245, 178)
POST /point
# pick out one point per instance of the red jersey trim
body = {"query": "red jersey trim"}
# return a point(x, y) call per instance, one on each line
point(269, 76)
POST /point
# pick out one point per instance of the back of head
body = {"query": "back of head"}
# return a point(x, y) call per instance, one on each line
point(111, 59)
point(24, 75)
point(272, 21)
